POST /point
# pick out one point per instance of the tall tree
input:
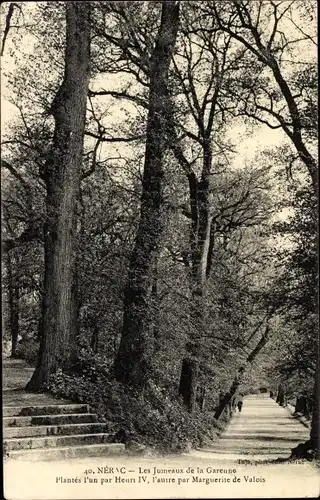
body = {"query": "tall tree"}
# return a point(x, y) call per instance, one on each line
point(132, 364)
point(297, 297)
point(203, 67)
point(275, 97)
point(261, 28)
point(62, 178)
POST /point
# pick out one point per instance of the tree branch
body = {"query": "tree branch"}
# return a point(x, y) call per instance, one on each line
point(115, 139)
point(9, 15)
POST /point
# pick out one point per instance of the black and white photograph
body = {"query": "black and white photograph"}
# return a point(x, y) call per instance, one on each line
point(159, 201)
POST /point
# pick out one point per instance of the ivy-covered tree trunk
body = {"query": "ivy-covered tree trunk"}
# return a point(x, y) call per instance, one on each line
point(188, 382)
point(133, 362)
point(201, 249)
point(155, 302)
point(62, 177)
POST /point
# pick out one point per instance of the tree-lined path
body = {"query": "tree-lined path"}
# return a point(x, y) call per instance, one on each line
point(263, 430)
point(160, 239)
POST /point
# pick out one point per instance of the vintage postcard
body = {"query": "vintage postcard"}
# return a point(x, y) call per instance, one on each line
point(159, 249)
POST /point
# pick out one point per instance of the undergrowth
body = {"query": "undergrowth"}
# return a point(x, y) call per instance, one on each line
point(154, 418)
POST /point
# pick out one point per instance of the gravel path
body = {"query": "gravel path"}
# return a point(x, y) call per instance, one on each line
point(262, 431)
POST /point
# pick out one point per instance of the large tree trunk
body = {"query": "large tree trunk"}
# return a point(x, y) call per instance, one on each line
point(227, 398)
point(14, 306)
point(155, 331)
point(200, 239)
point(188, 382)
point(76, 305)
point(133, 361)
point(62, 176)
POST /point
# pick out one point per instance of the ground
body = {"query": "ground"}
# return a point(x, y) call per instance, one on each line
point(15, 375)
point(248, 461)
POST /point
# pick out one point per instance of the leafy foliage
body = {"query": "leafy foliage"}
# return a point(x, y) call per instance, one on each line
point(155, 417)
point(223, 85)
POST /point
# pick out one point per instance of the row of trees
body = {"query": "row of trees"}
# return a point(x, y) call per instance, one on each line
point(170, 219)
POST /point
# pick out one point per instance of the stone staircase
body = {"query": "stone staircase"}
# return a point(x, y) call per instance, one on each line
point(55, 431)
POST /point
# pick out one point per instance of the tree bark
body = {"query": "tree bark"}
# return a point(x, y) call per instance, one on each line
point(156, 308)
point(133, 361)
point(62, 177)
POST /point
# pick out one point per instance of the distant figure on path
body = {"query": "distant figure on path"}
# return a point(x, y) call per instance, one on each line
point(240, 403)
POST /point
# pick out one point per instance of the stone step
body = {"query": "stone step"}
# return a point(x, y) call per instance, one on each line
point(67, 452)
point(27, 443)
point(54, 430)
point(72, 418)
point(24, 411)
